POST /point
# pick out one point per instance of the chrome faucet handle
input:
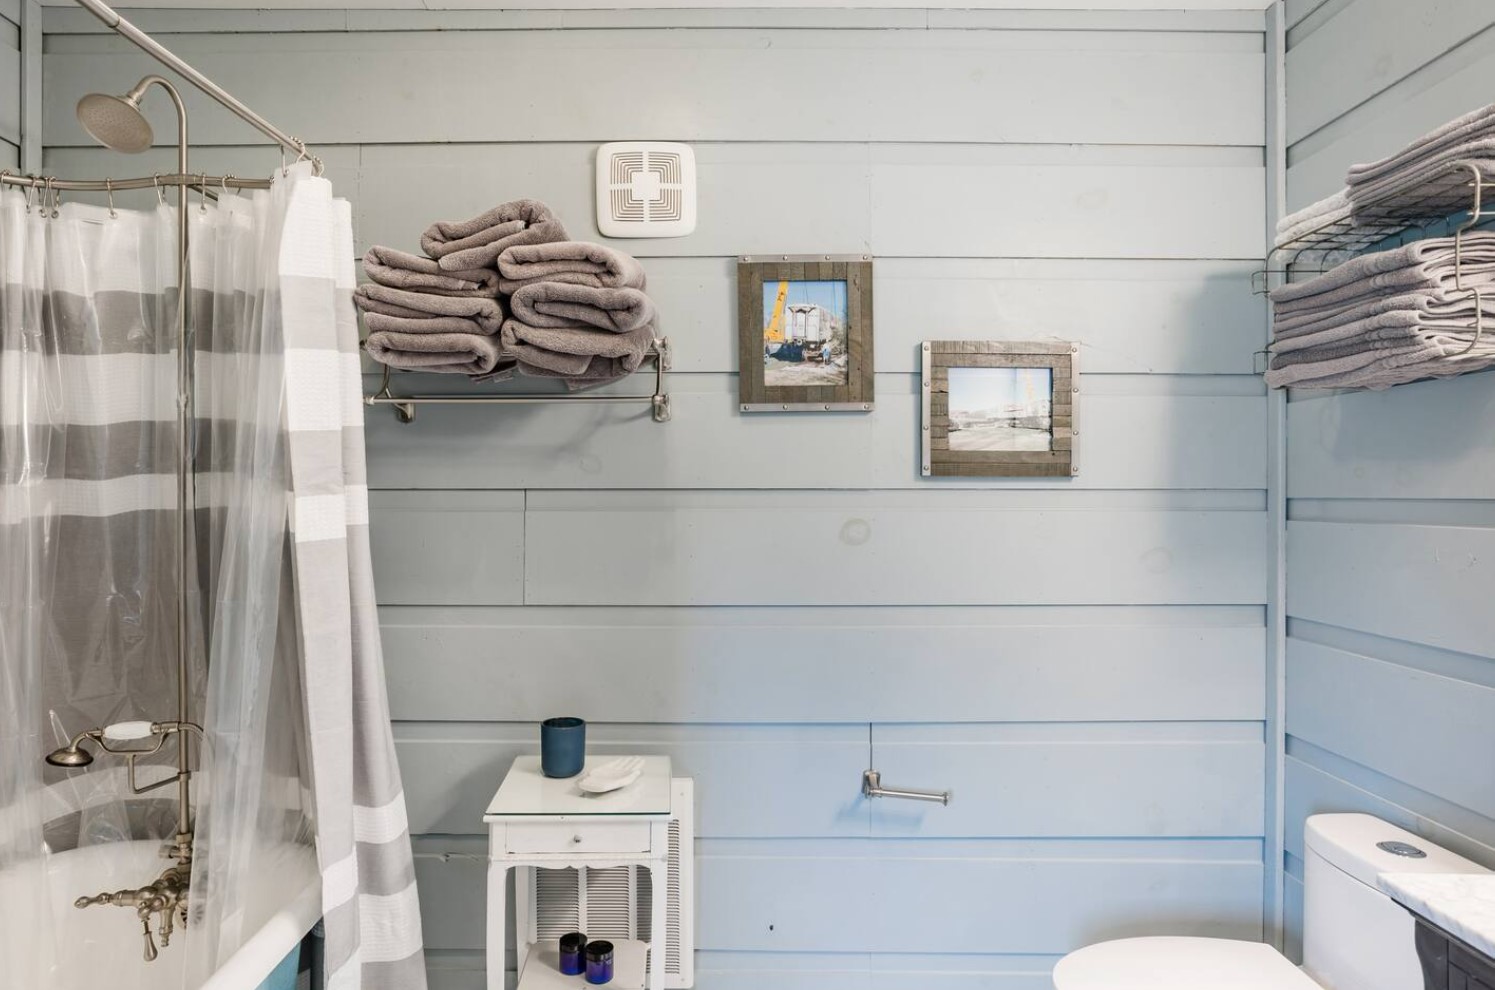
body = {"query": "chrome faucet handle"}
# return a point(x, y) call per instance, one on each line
point(150, 943)
point(86, 902)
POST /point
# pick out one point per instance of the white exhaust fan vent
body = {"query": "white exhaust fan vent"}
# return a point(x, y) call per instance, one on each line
point(646, 189)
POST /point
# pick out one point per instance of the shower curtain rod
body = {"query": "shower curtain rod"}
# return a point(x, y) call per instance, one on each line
point(112, 20)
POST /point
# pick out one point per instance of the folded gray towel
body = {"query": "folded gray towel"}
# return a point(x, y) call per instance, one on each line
point(1407, 188)
point(1423, 264)
point(598, 371)
point(1425, 311)
point(484, 314)
point(1473, 126)
point(1313, 216)
point(477, 243)
point(401, 270)
point(448, 353)
point(569, 352)
point(565, 304)
point(574, 262)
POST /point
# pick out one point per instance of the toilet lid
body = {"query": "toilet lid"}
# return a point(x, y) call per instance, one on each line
point(1179, 964)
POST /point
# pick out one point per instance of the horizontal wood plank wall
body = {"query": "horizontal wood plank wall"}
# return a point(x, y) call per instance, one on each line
point(10, 83)
point(1391, 531)
point(775, 601)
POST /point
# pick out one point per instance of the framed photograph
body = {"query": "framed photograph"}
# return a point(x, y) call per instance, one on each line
point(998, 409)
point(804, 325)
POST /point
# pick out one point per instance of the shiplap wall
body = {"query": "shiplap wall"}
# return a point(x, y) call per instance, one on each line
point(775, 601)
point(10, 83)
point(1391, 532)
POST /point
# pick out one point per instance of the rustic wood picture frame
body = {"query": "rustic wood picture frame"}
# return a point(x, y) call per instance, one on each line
point(856, 395)
point(938, 460)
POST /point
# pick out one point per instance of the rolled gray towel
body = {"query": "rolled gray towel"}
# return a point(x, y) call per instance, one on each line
point(573, 262)
point(484, 314)
point(565, 304)
point(567, 352)
point(402, 270)
point(477, 243)
point(447, 353)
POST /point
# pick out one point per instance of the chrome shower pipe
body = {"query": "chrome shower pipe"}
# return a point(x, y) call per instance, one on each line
point(112, 20)
point(186, 500)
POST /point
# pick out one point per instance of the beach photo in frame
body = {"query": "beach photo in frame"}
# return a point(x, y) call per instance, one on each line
point(804, 325)
point(999, 409)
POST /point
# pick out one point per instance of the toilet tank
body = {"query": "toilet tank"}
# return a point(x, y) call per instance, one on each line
point(1354, 936)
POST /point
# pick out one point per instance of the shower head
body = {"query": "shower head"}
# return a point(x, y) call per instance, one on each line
point(116, 121)
point(71, 756)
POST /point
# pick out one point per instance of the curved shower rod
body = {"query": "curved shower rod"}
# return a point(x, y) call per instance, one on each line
point(112, 20)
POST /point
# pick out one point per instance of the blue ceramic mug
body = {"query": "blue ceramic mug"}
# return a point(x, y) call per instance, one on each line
point(563, 746)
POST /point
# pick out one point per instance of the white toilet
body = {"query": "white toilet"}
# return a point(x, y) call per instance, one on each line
point(1354, 936)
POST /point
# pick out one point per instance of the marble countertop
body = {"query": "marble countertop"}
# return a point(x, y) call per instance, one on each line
point(1462, 904)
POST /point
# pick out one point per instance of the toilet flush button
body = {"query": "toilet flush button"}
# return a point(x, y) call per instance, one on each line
point(1402, 849)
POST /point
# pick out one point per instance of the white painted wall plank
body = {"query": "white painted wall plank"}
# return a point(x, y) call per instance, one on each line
point(1130, 317)
point(1008, 664)
point(1126, 442)
point(1368, 47)
point(894, 200)
point(10, 95)
point(448, 548)
point(1167, 88)
point(162, 23)
point(1446, 720)
point(920, 549)
point(1123, 779)
point(752, 781)
point(937, 896)
point(1314, 789)
point(1423, 441)
point(1423, 584)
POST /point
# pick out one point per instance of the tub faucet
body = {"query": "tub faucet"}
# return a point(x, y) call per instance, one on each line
point(165, 897)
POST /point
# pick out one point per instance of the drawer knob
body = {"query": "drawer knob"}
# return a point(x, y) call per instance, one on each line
point(576, 839)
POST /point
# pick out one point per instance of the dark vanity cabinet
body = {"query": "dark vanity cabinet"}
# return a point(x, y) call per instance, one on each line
point(1449, 964)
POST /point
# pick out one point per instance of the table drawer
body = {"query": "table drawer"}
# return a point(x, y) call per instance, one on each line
point(571, 837)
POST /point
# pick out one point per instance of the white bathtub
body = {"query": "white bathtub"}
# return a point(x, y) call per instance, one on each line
point(103, 947)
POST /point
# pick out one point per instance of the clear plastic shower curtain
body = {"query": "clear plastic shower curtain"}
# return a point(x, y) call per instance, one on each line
point(88, 582)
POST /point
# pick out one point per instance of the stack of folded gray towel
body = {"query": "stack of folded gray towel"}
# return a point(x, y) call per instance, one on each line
point(506, 291)
point(1383, 319)
point(1469, 138)
point(576, 311)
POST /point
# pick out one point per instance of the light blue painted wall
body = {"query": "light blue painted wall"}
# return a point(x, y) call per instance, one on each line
point(779, 603)
point(1391, 532)
point(10, 83)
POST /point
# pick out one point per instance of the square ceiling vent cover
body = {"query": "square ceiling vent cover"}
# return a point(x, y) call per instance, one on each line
point(646, 189)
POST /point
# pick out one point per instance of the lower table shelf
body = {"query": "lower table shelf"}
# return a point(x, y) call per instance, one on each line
point(542, 967)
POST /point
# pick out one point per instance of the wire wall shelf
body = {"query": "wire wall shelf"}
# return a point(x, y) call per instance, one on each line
point(659, 358)
point(1451, 201)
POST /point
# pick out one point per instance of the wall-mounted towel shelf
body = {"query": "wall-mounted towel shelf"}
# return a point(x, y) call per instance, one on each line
point(1400, 216)
point(658, 400)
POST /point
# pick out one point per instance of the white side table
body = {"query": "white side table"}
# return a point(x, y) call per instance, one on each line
point(537, 821)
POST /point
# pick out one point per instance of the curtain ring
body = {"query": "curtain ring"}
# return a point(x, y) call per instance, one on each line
point(30, 192)
point(109, 189)
point(223, 182)
point(160, 192)
point(283, 171)
point(202, 188)
point(49, 194)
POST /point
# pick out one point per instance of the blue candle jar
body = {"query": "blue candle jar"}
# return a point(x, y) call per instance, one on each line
point(572, 947)
point(599, 962)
